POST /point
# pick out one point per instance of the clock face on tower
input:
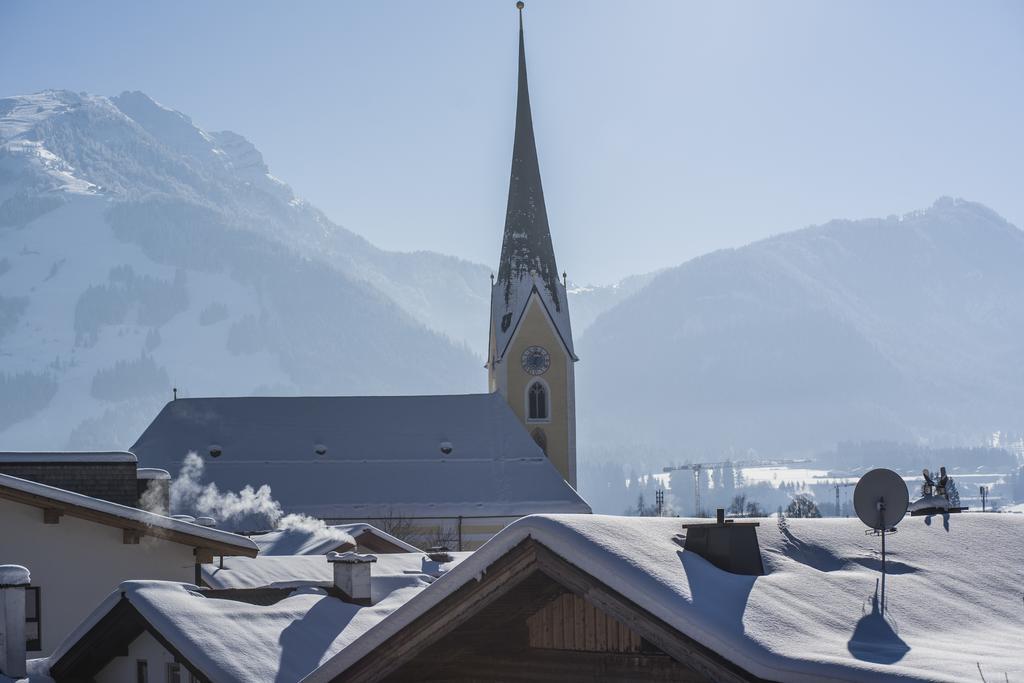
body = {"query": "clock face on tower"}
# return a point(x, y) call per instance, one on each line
point(536, 360)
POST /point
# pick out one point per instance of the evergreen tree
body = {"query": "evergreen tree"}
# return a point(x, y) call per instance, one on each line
point(802, 505)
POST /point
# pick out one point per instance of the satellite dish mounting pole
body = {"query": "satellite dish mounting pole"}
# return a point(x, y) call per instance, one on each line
point(881, 500)
point(881, 522)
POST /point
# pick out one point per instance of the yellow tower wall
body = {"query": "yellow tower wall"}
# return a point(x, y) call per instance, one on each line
point(536, 329)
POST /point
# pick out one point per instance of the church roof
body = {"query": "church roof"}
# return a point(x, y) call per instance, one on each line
point(365, 457)
point(527, 256)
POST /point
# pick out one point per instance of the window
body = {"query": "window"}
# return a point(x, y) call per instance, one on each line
point(174, 672)
point(141, 671)
point(538, 402)
point(33, 627)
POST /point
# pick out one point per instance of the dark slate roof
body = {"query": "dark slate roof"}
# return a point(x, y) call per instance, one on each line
point(77, 457)
point(527, 256)
point(381, 454)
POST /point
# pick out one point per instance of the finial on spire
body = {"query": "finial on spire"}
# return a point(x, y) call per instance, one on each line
point(520, 5)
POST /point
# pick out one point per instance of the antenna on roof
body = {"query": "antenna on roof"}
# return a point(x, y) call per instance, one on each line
point(881, 499)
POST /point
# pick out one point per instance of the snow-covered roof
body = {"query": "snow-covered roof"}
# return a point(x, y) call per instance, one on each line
point(319, 540)
point(814, 615)
point(235, 641)
point(105, 512)
point(287, 571)
point(14, 575)
point(230, 640)
point(365, 457)
point(66, 456)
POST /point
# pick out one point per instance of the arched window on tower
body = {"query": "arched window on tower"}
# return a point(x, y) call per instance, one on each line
point(537, 399)
point(541, 438)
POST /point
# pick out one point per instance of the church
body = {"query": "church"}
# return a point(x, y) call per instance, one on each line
point(449, 469)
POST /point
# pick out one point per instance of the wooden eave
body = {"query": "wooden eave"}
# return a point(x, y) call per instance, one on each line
point(204, 546)
point(510, 570)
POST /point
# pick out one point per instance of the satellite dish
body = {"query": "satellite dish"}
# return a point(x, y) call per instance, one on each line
point(881, 499)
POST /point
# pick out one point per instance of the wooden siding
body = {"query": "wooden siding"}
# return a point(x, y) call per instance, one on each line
point(561, 666)
point(480, 632)
point(571, 623)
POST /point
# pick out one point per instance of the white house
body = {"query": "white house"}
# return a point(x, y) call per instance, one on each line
point(79, 548)
point(156, 631)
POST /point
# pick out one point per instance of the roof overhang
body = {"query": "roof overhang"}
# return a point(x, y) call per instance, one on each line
point(55, 507)
point(377, 659)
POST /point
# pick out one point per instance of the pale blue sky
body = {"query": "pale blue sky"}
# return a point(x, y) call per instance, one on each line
point(666, 129)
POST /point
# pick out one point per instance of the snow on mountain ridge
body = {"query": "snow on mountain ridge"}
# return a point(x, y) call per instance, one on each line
point(141, 252)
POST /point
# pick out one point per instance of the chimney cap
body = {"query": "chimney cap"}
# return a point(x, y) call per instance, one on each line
point(439, 553)
point(350, 557)
point(14, 575)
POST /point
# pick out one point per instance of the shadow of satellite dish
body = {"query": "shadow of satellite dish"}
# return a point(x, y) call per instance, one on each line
point(875, 640)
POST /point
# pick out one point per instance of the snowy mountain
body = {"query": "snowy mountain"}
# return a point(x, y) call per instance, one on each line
point(139, 252)
point(907, 328)
point(588, 302)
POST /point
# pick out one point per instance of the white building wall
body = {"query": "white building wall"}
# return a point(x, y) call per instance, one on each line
point(78, 563)
point(144, 648)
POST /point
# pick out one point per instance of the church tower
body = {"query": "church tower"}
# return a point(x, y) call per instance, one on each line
point(530, 354)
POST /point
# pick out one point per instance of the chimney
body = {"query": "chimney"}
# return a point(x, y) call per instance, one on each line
point(13, 579)
point(352, 576)
point(728, 544)
point(154, 488)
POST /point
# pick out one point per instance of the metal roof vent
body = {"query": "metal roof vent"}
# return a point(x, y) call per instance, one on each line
point(215, 450)
point(207, 521)
point(439, 553)
point(446, 447)
point(729, 545)
point(320, 449)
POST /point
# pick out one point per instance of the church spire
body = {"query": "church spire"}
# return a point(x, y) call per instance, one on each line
point(530, 357)
point(526, 248)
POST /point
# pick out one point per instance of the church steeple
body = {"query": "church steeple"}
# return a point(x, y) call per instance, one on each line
point(530, 354)
point(526, 247)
